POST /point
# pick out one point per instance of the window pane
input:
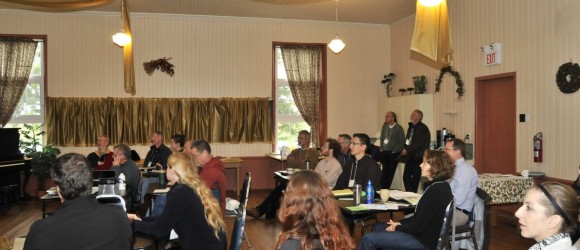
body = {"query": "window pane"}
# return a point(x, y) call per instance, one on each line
point(288, 134)
point(286, 105)
point(29, 102)
point(280, 70)
point(37, 64)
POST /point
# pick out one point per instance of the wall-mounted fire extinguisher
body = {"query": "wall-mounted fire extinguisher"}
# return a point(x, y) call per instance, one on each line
point(538, 147)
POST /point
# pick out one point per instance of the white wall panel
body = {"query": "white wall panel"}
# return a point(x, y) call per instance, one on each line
point(534, 46)
point(213, 57)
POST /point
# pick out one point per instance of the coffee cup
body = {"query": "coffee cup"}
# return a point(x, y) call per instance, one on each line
point(290, 170)
point(385, 193)
point(526, 173)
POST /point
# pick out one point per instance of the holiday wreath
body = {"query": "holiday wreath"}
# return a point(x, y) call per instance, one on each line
point(448, 69)
point(568, 77)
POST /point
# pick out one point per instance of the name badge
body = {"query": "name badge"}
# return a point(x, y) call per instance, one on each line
point(149, 164)
point(385, 141)
point(351, 183)
point(408, 142)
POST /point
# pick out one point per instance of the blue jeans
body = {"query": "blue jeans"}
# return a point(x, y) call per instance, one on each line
point(379, 238)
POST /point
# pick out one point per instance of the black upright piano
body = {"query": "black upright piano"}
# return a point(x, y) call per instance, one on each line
point(11, 159)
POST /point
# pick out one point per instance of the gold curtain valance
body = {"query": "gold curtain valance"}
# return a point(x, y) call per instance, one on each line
point(56, 5)
point(78, 121)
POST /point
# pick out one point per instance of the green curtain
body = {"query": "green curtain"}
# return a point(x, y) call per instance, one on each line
point(78, 121)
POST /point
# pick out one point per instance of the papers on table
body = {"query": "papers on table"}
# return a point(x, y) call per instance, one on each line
point(412, 198)
point(343, 192)
point(283, 174)
point(385, 206)
point(161, 191)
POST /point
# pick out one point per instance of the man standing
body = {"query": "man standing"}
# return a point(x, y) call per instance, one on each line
point(212, 170)
point(122, 163)
point(361, 168)
point(80, 222)
point(464, 181)
point(392, 141)
point(296, 159)
point(158, 154)
point(102, 158)
point(418, 140)
point(344, 141)
point(329, 168)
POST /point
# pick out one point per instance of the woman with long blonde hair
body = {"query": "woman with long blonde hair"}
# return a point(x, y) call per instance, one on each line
point(310, 216)
point(191, 209)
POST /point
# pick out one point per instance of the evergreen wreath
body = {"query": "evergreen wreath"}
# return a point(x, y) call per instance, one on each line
point(448, 69)
point(573, 71)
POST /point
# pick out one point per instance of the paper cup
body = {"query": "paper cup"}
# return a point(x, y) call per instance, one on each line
point(384, 195)
point(526, 173)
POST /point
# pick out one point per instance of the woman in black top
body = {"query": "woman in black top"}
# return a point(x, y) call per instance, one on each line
point(310, 217)
point(191, 210)
point(421, 230)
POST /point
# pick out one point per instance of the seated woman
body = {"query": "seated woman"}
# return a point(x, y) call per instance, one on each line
point(549, 215)
point(191, 210)
point(310, 216)
point(420, 231)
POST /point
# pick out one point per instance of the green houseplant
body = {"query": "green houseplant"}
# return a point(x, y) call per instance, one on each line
point(41, 157)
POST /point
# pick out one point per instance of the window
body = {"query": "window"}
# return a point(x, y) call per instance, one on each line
point(288, 120)
point(30, 109)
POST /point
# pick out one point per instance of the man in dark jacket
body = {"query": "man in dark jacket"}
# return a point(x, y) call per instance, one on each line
point(80, 222)
point(418, 140)
point(361, 167)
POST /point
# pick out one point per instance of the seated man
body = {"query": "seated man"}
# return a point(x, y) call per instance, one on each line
point(212, 170)
point(361, 168)
point(123, 164)
point(102, 158)
point(464, 181)
point(80, 222)
point(297, 159)
point(344, 141)
point(329, 168)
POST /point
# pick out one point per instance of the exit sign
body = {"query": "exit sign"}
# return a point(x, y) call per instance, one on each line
point(492, 54)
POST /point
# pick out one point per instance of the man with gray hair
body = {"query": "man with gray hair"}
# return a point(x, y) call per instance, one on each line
point(418, 140)
point(80, 222)
point(122, 163)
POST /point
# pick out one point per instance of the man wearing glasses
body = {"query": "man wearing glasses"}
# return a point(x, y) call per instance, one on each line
point(361, 168)
point(344, 141)
point(464, 181)
point(392, 141)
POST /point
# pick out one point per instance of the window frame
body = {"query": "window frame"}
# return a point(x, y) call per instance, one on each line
point(322, 124)
point(35, 119)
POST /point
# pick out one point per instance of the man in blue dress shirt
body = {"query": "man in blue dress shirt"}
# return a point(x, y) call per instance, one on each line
point(464, 181)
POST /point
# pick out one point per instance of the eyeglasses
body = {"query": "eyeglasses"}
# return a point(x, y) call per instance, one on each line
point(447, 149)
point(356, 143)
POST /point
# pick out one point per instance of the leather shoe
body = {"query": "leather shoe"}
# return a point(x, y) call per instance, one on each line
point(255, 212)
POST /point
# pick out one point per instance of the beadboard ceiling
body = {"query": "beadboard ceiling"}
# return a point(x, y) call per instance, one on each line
point(356, 11)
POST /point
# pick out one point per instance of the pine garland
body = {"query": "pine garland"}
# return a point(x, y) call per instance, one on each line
point(450, 70)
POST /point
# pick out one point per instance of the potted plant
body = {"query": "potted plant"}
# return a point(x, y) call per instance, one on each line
point(420, 83)
point(41, 157)
point(388, 81)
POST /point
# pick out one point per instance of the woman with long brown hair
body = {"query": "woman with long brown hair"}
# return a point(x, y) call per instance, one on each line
point(310, 216)
point(191, 209)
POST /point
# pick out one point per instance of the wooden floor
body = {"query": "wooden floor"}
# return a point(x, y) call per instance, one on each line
point(263, 234)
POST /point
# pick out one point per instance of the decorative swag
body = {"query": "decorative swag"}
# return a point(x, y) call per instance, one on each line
point(78, 121)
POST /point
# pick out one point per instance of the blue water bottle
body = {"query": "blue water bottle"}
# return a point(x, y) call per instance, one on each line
point(370, 193)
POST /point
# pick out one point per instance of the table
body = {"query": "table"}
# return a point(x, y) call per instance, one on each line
point(504, 190)
point(352, 216)
point(234, 163)
point(45, 199)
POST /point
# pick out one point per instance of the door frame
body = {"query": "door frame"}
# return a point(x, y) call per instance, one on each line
point(478, 104)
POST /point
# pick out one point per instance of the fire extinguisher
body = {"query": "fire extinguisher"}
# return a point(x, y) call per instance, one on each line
point(538, 148)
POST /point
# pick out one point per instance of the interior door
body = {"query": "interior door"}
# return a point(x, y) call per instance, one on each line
point(495, 123)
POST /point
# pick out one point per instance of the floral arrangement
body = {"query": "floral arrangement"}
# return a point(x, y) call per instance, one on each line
point(388, 81)
point(420, 83)
point(160, 64)
point(450, 70)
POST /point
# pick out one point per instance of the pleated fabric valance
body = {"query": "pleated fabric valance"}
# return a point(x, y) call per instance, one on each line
point(79, 121)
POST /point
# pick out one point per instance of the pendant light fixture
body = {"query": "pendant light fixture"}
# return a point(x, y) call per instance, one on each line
point(122, 38)
point(336, 45)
